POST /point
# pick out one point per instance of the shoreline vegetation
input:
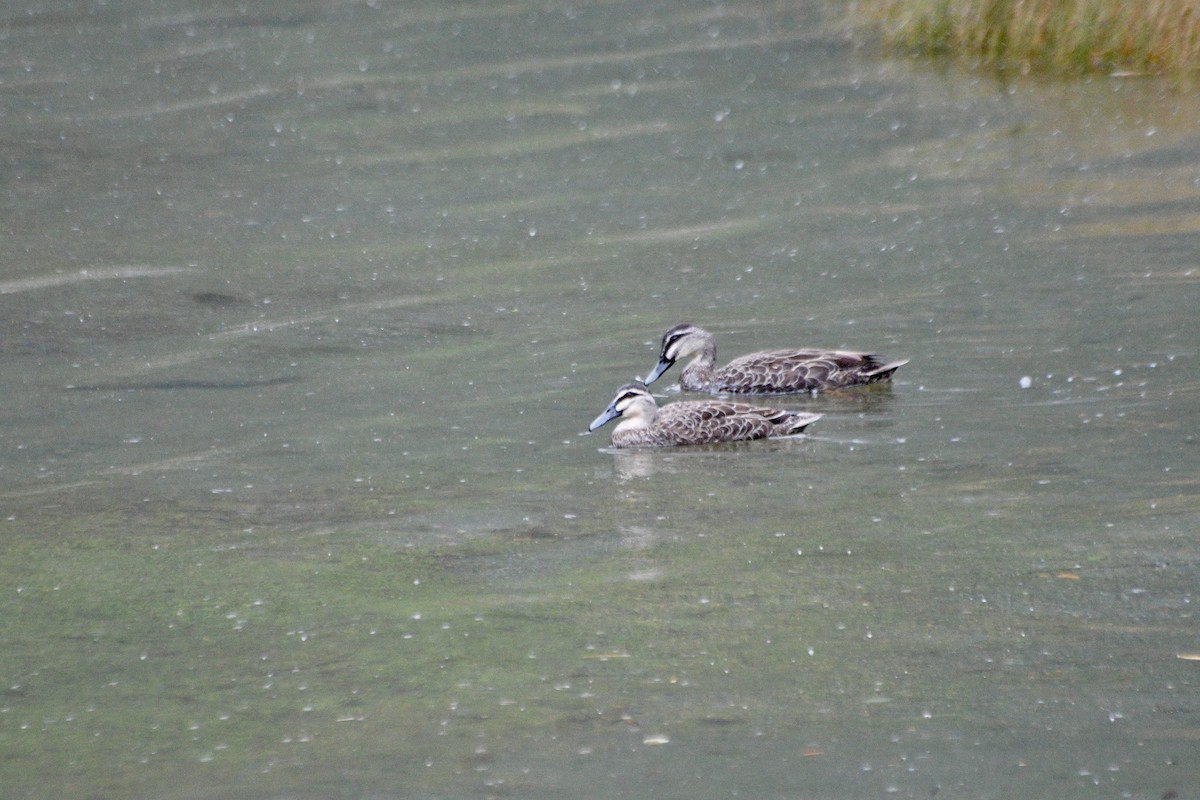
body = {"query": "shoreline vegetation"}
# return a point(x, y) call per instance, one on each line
point(1057, 37)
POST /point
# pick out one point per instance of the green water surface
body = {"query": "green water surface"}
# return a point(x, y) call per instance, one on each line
point(305, 307)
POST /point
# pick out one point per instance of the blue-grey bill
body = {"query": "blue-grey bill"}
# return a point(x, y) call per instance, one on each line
point(609, 414)
point(662, 366)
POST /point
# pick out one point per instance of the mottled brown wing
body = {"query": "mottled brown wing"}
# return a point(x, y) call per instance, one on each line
point(704, 421)
point(735, 428)
point(775, 416)
point(792, 371)
point(782, 421)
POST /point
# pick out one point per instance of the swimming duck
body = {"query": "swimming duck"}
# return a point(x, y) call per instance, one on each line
point(766, 372)
point(644, 424)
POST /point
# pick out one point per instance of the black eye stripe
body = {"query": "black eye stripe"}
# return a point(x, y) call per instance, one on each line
point(627, 398)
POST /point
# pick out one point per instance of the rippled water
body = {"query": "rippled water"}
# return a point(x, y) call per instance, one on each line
point(305, 308)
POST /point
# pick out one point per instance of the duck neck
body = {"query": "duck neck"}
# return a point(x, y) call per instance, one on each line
point(697, 375)
point(636, 419)
point(629, 425)
point(633, 429)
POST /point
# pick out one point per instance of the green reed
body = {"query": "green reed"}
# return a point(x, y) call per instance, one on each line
point(1054, 36)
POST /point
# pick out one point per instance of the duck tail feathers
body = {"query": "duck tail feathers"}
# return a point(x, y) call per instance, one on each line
point(884, 372)
point(796, 423)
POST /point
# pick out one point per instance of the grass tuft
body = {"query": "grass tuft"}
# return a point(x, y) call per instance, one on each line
point(1049, 36)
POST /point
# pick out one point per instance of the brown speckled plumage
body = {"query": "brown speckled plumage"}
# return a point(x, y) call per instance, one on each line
point(766, 372)
point(644, 424)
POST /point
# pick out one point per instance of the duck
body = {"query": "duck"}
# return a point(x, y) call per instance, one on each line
point(645, 424)
point(767, 371)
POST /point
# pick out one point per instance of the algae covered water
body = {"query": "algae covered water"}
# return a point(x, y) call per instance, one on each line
point(305, 311)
